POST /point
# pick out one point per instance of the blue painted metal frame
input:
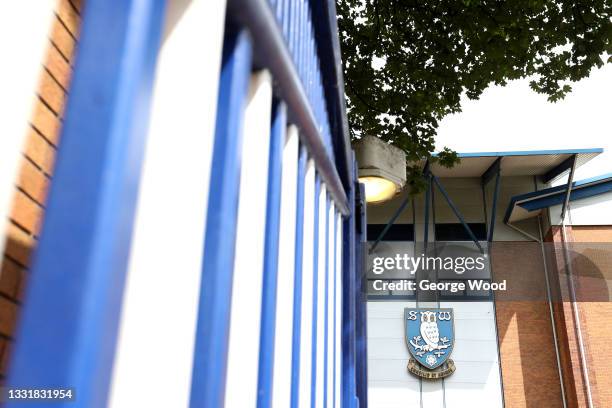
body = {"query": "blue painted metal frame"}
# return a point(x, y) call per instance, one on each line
point(530, 152)
point(315, 293)
point(537, 200)
point(297, 289)
point(348, 383)
point(568, 191)
point(391, 221)
point(304, 100)
point(428, 176)
point(70, 316)
point(270, 278)
point(335, 321)
point(361, 348)
point(566, 165)
point(326, 307)
point(210, 356)
point(493, 171)
point(576, 194)
point(494, 207)
point(328, 50)
point(457, 212)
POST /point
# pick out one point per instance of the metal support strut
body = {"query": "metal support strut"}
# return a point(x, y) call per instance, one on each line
point(457, 213)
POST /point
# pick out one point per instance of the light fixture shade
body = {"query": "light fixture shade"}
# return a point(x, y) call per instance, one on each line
point(382, 168)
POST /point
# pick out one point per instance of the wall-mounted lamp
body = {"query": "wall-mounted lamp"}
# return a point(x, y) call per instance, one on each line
point(382, 168)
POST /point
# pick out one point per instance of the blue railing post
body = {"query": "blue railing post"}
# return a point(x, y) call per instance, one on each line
point(268, 306)
point(348, 384)
point(69, 323)
point(210, 355)
point(361, 364)
point(297, 289)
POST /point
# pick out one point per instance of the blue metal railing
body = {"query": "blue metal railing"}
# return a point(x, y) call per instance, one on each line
point(71, 317)
point(273, 52)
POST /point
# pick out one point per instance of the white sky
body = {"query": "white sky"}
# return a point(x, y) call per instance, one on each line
point(516, 118)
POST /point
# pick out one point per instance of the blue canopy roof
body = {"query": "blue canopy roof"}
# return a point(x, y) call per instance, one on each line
point(529, 205)
point(549, 164)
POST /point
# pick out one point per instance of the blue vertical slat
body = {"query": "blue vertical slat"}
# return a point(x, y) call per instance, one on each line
point(268, 303)
point(297, 290)
point(326, 320)
point(210, 355)
point(315, 293)
point(69, 321)
point(335, 277)
point(360, 306)
point(286, 23)
point(292, 28)
point(348, 310)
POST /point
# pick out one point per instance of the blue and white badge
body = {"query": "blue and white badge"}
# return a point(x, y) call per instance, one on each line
point(430, 336)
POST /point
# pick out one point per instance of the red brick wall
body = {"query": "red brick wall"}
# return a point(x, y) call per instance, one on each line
point(529, 366)
point(596, 315)
point(590, 263)
point(36, 169)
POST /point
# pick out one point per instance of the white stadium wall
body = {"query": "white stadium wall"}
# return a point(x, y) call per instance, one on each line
point(476, 382)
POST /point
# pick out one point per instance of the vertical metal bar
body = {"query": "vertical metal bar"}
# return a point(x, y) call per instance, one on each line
point(427, 201)
point(297, 292)
point(494, 205)
point(315, 294)
point(338, 310)
point(360, 305)
point(327, 316)
point(270, 277)
point(210, 354)
point(335, 314)
point(570, 277)
point(550, 306)
point(70, 317)
point(484, 202)
point(457, 213)
point(348, 290)
point(568, 192)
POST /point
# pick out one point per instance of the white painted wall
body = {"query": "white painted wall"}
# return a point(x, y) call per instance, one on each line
point(476, 382)
point(595, 210)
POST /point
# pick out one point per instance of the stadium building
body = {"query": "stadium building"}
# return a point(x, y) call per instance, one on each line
point(188, 224)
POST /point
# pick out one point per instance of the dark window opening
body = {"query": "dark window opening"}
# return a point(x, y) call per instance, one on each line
point(457, 232)
point(397, 232)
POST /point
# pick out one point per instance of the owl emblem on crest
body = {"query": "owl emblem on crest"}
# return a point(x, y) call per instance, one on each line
point(430, 336)
point(429, 330)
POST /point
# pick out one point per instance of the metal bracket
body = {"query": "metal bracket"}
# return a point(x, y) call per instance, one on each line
point(493, 171)
point(568, 190)
point(457, 213)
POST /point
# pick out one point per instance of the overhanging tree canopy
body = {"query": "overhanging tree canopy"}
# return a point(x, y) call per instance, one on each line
point(407, 62)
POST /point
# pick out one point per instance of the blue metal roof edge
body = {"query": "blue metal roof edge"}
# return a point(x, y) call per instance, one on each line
point(528, 152)
point(554, 195)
